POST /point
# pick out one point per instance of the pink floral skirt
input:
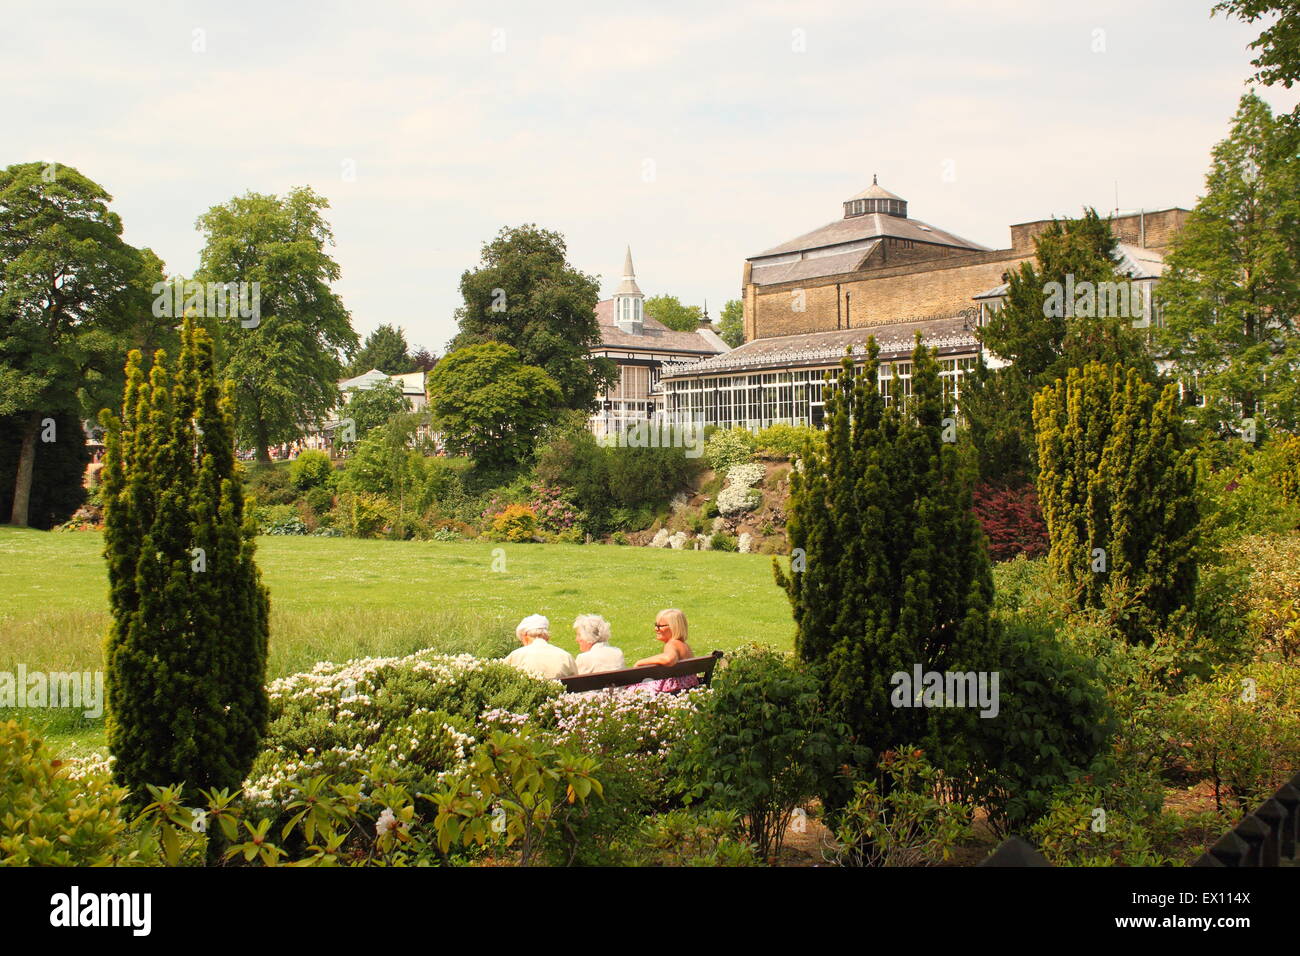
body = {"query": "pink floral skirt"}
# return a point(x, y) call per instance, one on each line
point(671, 685)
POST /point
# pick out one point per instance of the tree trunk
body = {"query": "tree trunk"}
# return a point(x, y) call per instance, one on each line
point(263, 444)
point(23, 480)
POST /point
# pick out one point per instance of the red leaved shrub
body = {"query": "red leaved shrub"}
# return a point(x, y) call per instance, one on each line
point(1012, 520)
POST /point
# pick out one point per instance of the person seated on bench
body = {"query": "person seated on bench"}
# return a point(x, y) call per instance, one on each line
point(537, 656)
point(592, 634)
point(670, 629)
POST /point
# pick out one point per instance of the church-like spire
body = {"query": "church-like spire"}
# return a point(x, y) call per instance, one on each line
point(628, 286)
point(629, 301)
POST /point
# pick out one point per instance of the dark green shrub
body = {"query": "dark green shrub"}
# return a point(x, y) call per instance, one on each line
point(269, 484)
point(1053, 726)
point(894, 574)
point(320, 500)
point(762, 743)
point(724, 542)
point(619, 488)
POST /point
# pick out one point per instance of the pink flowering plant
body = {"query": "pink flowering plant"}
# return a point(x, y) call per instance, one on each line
point(555, 510)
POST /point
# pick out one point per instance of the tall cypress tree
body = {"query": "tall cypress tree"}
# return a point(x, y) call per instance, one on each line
point(186, 649)
point(895, 567)
point(1116, 484)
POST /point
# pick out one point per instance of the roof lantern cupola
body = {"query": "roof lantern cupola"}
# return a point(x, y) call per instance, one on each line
point(875, 199)
point(629, 301)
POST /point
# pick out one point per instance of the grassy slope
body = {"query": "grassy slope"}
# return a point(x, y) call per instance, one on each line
point(337, 598)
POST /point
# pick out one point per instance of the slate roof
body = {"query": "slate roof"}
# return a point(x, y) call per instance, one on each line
point(873, 225)
point(655, 335)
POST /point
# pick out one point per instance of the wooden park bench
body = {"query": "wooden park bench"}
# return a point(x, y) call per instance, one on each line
point(635, 675)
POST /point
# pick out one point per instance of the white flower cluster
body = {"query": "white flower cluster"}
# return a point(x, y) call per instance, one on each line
point(92, 765)
point(347, 682)
point(738, 496)
point(641, 719)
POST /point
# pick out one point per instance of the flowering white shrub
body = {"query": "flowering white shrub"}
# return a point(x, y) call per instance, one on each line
point(634, 727)
point(738, 496)
point(744, 476)
point(418, 715)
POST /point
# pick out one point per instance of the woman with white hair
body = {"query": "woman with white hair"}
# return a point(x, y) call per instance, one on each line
point(596, 655)
point(537, 656)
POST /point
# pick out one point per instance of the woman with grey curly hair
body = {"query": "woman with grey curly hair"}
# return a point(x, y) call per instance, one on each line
point(596, 655)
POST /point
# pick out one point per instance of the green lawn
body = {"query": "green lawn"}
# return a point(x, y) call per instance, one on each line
point(338, 598)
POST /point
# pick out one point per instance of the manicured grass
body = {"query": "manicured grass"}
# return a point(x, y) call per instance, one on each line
point(339, 598)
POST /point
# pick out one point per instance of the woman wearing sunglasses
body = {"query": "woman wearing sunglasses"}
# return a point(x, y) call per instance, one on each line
point(670, 629)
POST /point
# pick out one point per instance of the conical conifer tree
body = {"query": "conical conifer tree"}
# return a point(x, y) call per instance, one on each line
point(186, 649)
point(1116, 485)
point(895, 569)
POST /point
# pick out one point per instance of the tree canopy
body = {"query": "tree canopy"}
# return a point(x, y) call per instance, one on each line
point(1043, 337)
point(526, 295)
point(489, 405)
point(731, 324)
point(1231, 293)
point(286, 362)
point(669, 310)
point(73, 298)
point(385, 349)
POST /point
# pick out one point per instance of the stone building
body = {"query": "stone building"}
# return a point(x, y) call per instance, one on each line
point(872, 272)
point(641, 346)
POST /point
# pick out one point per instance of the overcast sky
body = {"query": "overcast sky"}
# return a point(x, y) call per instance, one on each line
point(698, 133)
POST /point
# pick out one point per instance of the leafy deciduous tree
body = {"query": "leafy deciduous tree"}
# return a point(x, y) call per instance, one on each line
point(72, 295)
point(669, 310)
point(526, 295)
point(1232, 291)
point(489, 405)
point(731, 324)
point(285, 366)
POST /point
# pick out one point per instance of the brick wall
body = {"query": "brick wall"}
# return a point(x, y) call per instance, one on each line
point(852, 300)
point(901, 281)
point(1160, 228)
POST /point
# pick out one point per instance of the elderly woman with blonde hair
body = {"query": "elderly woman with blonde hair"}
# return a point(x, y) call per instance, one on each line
point(595, 654)
point(670, 630)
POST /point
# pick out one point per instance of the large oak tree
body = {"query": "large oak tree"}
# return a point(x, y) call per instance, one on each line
point(73, 298)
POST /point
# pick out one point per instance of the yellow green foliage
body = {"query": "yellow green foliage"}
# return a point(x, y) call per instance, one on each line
point(1272, 598)
point(46, 817)
point(515, 523)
